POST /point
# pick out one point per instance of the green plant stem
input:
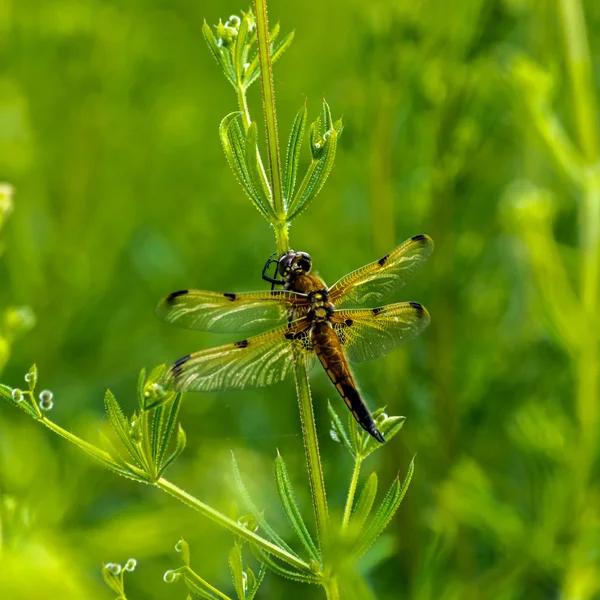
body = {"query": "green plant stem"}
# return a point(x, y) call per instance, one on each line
point(351, 493)
point(580, 71)
point(243, 106)
point(230, 524)
point(186, 498)
point(332, 589)
point(311, 447)
point(268, 94)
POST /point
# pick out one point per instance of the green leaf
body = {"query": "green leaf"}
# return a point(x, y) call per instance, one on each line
point(293, 153)
point(365, 501)
point(121, 427)
point(31, 378)
point(338, 432)
point(167, 423)
point(323, 148)
point(257, 514)
point(254, 581)
point(388, 426)
point(278, 49)
point(140, 389)
point(290, 507)
point(386, 511)
point(219, 53)
point(179, 448)
point(241, 48)
point(237, 571)
point(266, 560)
point(233, 139)
point(255, 165)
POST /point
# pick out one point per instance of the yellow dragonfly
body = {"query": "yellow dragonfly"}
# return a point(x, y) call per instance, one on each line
point(310, 321)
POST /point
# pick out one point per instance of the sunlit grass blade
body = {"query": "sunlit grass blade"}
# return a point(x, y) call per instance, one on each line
point(365, 502)
point(233, 139)
point(293, 153)
point(257, 514)
point(290, 507)
point(265, 559)
point(386, 511)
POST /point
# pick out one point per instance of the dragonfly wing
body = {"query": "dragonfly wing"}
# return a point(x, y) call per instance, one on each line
point(367, 334)
point(373, 283)
point(231, 313)
point(256, 362)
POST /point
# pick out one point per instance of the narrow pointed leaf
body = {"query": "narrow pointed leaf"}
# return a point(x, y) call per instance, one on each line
point(293, 153)
point(233, 140)
point(256, 581)
point(389, 427)
point(282, 46)
point(219, 53)
point(258, 516)
point(255, 165)
point(323, 149)
point(274, 33)
point(265, 559)
point(179, 448)
point(237, 571)
point(240, 49)
point(338, 430)
point(386, 511)
point(198, 586)
point(290, 507)
point(168, 425)
point(365, 502)
point(121, 427)
point(141, 383)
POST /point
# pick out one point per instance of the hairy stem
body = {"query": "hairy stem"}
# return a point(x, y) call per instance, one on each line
point(332, 589)
point(351, 493)
point(268, 94)
point(311, 447)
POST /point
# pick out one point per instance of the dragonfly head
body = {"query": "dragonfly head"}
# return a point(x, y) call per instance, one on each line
point(294, 263)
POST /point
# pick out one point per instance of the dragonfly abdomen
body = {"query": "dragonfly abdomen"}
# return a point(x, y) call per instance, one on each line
point(328, 349)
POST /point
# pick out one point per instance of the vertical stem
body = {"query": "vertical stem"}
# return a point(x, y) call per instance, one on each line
point(351, 492)
point(311, 447)
point(580, 71)
point(268, 93)
point(332, 589)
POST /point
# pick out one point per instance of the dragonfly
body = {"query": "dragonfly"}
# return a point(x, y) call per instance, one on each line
point(337, 325)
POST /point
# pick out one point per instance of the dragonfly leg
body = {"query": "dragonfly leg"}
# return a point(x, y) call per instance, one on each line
point(271, 280)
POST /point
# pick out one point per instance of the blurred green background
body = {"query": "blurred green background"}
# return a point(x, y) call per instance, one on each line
point(108, 130)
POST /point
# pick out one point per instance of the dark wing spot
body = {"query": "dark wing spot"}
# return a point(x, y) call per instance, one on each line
point(230, 296)
point(416, 305)
point(377, 310)
point(171, 297)
point(349, 322)
point(419, 238)
point(289, 336)
point(383, 260)
point(241, 344)
point(177, 367)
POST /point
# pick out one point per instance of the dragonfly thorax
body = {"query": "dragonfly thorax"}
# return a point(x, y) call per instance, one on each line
point(320, 307)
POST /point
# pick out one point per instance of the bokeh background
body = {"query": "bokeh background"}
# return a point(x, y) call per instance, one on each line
point(453, 112)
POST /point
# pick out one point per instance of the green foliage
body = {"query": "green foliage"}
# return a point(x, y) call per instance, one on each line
point(462, 120)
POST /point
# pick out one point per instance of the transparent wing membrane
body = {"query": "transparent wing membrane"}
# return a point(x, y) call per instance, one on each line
point(367, 334)
point(375, 282)
point(256, 362)
point(230, 313)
